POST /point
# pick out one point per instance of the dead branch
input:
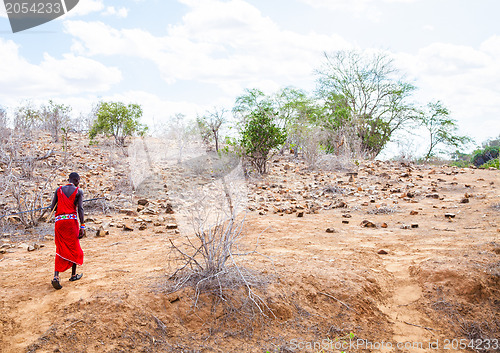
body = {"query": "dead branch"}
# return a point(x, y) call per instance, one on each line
point(341, 302)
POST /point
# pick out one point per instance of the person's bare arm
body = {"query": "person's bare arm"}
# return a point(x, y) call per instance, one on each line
point(80, 206)
point(54, 201)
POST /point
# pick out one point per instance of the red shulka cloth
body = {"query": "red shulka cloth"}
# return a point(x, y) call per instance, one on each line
point(68, 249)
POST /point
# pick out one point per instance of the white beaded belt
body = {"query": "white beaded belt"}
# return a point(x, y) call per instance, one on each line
point(65, 216)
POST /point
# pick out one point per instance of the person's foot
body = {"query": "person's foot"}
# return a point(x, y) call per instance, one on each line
point(76, 277)
point(55, 283)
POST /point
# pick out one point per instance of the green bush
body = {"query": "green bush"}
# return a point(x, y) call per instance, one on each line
point(259, 137)
point(482, 156)
point(460, 164)
point(491, 163)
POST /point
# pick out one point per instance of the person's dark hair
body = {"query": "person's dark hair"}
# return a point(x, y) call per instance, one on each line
point(74, 177)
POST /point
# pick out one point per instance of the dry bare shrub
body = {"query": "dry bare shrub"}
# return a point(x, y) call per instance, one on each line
point(311, 146)
point(209, 264)
point(207, 195)
point(330, 162)
point(29, 197)
point(383, 210)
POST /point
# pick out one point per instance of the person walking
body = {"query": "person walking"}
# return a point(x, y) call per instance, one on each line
point(69, 228)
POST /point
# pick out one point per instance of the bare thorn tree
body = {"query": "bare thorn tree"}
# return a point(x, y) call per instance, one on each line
point(210, 125)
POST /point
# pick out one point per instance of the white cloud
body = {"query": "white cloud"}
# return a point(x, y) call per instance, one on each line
point(85, 7)
point(112, 11)
point(230, 44)
point(359, 8)
point(68, 75)
point(466, 79)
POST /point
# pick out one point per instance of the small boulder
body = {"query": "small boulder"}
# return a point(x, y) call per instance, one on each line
point(128, 227)
point(331, 230)
point(101, 232)
point(368, 224)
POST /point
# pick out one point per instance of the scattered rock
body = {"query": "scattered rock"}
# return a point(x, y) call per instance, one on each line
point(347, 215)
point(150, 211)
point(449, 215)
point(128, 227)
point(143, 226)
point(432, 196)
point(464, 200)
point(128, 212)
point(384, 225)
point(300, 214)
point(405, 226)
point(35, 246)
point(382, 252)
point(414, 225)
point(368, 224)
point(142, 202)
point(331, 230)
point(413, 213)
point(345, 221)
point(171, 226)
point(169, 209)
point(101, 232)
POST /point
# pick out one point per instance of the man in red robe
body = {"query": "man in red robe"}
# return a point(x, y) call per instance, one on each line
point(69, 228)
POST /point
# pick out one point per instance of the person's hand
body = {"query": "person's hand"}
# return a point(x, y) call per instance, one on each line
point(81, 234)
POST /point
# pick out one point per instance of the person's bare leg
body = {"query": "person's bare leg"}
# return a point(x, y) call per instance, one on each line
point(74, 276)
point(55, 281)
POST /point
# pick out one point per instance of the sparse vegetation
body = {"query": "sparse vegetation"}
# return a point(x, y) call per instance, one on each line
point(259, 137)
point(118, 120)
point(441, 128)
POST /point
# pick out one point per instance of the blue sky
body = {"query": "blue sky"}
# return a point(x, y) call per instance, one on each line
point(187, 56)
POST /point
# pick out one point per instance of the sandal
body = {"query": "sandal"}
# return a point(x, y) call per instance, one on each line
point(56, 284)
point(76, 277)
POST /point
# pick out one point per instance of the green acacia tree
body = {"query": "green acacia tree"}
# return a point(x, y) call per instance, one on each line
point(372, 96)
point(260, 135)
point(118, 120)
point(441, 128)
